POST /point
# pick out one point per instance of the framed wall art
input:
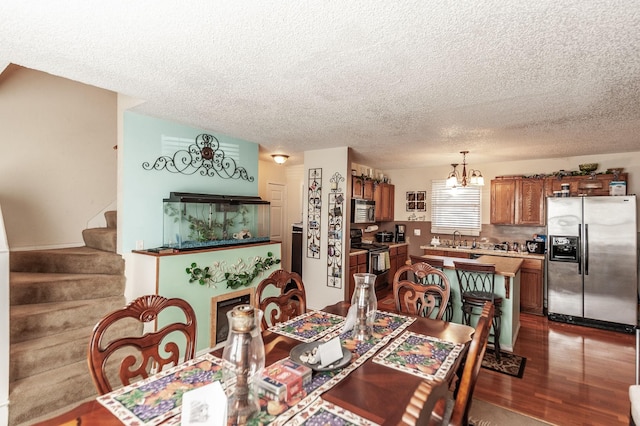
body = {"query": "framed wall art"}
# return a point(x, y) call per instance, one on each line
point(314, 198)
point(336, 225)
point(416, 201)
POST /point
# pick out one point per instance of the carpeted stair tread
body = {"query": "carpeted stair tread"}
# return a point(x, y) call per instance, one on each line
point(79, 260)
point(38, 355)
point(112, 218)
point(101, 238)
point(48, 391)
point(33, 287)
point(35, 321)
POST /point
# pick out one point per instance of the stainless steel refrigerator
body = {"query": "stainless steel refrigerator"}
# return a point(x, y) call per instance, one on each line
point(592, 261)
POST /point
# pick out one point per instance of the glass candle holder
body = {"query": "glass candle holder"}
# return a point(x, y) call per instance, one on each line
point(244, 359)
point(366, 303)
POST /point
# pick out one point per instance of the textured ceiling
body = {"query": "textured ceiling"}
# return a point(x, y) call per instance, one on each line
point(406, 84)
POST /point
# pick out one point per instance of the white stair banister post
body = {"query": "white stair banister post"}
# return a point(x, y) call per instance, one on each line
point(4, 324)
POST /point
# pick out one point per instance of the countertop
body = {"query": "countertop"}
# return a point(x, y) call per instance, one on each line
point(524, 255)
point(355, 252)
point(505, 266)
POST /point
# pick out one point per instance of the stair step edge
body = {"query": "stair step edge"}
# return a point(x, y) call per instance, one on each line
point(33, 395)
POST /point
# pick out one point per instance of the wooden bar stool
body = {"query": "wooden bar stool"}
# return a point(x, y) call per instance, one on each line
point(477, 282)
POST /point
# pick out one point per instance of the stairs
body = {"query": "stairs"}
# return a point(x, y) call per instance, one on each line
point(56, 298)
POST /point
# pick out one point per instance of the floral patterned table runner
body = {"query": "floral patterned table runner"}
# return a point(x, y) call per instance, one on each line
point(152, 401)
point(309, 326)
point(321, 413)
point(424, 356)
point(158, 400)
point(386, 327)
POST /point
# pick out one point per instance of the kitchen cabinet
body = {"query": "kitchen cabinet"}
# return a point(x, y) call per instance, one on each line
point(532, 286)
point(584, 184)
point(503, 201)
point(447, 253)
point(517, 201)
point(362, 188)
point(383, 196)
point(398, 256)
point(357, 264)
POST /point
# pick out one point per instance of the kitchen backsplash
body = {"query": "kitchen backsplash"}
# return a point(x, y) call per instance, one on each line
point(492, 233)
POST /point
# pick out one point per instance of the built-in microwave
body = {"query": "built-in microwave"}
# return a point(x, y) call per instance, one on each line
point(363, 211)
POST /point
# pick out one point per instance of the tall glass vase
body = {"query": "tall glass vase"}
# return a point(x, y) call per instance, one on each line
point(244, 359)
point(366, 303)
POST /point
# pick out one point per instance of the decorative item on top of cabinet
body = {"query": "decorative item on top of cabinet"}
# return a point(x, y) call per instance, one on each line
point(383, 195)
point(596, 184)
point(516, 200)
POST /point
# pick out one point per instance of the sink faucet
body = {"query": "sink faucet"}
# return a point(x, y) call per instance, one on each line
point(454, 237)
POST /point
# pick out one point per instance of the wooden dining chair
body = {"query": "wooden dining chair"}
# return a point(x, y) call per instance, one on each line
point(422, 407)
point(427, 296)
point(281, 296)
point(473, 362)
point(436, 263)
point(477, 286)
point(429, 407)
point(119, 349)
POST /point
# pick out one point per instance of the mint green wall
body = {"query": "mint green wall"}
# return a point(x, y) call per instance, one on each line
point(143, 190)
point(173, 281)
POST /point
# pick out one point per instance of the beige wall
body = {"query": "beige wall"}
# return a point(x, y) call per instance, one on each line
point(57, 162)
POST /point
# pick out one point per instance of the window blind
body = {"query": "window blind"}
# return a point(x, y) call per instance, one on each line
point(456, 209)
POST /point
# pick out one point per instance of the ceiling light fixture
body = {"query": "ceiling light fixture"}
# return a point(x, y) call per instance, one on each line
point(454, 180)
point(280, 158)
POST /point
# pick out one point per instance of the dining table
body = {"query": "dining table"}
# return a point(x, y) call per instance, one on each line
point(373, 389)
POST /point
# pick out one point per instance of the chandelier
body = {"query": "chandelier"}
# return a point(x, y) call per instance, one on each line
point(455, 180)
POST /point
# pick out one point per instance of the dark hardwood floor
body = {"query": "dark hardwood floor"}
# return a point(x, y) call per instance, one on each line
point(574, 375)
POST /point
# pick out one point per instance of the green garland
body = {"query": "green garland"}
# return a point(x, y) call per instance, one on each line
point(234, 280)
point(245, 278)
point(201, 275)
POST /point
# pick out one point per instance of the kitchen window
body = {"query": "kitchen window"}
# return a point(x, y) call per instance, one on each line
point(455, 209)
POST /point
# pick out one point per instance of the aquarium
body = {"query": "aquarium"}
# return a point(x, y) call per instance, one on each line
point(193, 221)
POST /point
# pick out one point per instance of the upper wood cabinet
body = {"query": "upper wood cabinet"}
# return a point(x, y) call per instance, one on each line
point(368, 190)
point(357, 187)
point(503, 201)
point(517, 201)
point(583, 185)
point(530, 202)
point(383, 195)
point(361, 188)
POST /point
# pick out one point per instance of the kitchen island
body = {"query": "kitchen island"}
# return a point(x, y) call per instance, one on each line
point(507, 285)
point(531, 272)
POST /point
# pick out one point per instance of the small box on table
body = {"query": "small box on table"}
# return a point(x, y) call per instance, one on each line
point(284, 379)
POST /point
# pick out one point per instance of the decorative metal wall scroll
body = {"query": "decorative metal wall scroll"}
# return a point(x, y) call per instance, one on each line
point(314, 198)
point(206, 156)
point(334, 242)
point(417, 201)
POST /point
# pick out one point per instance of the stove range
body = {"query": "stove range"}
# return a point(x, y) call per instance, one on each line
point(369, 246)
point(377, 258)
